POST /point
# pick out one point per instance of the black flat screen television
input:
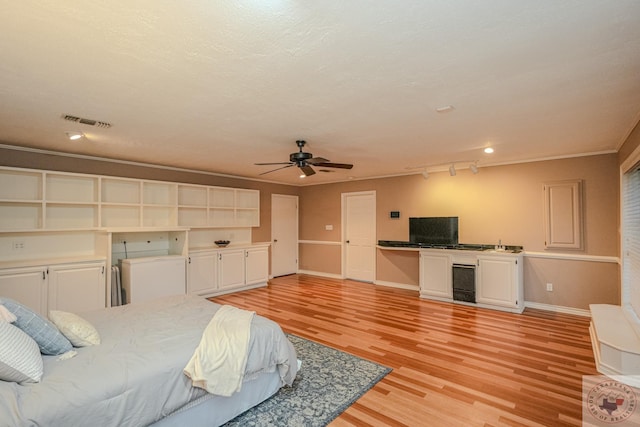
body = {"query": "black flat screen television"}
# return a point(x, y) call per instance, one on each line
point(434, 230)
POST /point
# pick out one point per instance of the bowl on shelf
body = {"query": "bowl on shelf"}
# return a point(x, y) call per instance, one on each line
point(222, 243)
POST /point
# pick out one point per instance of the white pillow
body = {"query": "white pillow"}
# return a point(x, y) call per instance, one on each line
point(77, 330)
point(20, 359)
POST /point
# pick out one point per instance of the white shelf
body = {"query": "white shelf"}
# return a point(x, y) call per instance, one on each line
point(17, 185)
point(71, 188)
point(159, 193)
point(123, 190)
point(70, 215)
point(46, 200)
point(192, 196)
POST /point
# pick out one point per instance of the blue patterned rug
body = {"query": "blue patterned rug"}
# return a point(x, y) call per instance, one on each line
point(328, 382)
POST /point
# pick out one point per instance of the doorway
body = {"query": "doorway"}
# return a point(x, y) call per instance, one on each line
point(359, 236)
point(284, 234)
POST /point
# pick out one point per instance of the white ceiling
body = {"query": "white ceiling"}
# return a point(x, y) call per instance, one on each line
point(220, 85)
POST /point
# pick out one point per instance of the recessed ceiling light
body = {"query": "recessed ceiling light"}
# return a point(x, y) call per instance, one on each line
point(488, 150)
point(74, 135)
point(444, 109)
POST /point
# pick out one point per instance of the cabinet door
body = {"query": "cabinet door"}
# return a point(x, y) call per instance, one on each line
point(231, 265)
point(496, 281)
point(256, 266)
point(203, 273)
point(77, 287)
point(563, 215)
point(435, 275)
point(28, 286)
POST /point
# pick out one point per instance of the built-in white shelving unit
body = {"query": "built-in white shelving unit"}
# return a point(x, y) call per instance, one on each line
point(75, 226)
point(41, 200)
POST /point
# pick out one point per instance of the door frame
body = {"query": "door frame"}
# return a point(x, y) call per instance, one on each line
point(343, 198)
point(297, 236)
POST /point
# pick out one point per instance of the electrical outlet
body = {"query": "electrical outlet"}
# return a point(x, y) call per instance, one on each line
point(550, 287)
point(18, 245)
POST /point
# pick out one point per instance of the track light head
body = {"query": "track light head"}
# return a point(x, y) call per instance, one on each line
point(474, 168)
point(425, 175)
point(452, 170)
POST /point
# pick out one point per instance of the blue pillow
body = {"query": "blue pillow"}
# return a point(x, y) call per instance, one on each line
point(43, 332)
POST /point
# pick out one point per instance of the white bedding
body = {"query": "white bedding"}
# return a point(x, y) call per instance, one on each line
point(135, 377)
point(227, 337)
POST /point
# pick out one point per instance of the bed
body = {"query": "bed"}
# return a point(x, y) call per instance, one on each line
point(135, 377)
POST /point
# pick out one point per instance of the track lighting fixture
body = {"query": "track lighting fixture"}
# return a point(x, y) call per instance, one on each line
point(471, 164)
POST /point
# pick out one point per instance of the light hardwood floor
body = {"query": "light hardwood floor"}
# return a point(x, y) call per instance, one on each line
point(452, 364)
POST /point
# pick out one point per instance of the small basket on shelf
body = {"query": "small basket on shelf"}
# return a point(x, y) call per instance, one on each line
point(221, 243)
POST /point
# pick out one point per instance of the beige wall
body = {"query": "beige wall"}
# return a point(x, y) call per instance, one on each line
point(501, 202)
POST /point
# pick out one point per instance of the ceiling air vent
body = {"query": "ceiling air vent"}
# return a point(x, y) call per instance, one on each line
point(86, 121)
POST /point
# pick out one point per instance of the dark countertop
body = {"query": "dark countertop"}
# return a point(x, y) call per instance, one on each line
point(459, 246)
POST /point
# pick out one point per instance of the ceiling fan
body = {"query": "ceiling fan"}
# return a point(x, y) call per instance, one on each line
point(304, 161)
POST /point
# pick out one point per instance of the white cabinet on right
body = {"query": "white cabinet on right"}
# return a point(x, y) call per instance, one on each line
point(219, 271)
point(256, 265)
point(499, 282)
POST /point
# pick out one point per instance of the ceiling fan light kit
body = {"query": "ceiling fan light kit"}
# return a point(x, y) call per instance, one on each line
point(304, 161)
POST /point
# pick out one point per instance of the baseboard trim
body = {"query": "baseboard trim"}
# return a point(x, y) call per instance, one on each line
point(397, 285)
point(321, 274)
point(558, 308)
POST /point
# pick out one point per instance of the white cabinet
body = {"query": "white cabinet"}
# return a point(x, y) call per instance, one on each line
point(435, 275)
point(231, 268)
point(499, 282)
point(563, 215)
point(77, 287)
point(498, 277)
point(74, 287)
point(203, 273)
point(256, 265)
point(148, 278)
point(26, 285)
point(215, 272)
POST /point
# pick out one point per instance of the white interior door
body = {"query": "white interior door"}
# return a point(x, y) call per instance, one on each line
point(359, 232)
point(284, 234)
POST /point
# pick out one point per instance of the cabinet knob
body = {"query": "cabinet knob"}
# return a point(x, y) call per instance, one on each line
point(275, 240)
point(347, 241)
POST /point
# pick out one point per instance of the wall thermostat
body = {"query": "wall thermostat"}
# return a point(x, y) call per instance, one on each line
point(394, 214)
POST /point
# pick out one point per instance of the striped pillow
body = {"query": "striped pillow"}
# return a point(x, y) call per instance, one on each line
point(20, 359)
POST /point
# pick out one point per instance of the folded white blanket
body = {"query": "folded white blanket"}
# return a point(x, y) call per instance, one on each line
point(218, 364)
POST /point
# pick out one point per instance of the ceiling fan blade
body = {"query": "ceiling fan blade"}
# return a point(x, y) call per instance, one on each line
point(333, 165)
point(316, 160)
point(308, 170)
point(277, 163)
point(277, 169)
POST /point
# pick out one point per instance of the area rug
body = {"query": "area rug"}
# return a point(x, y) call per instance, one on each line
point(328, 382)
